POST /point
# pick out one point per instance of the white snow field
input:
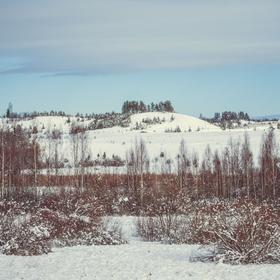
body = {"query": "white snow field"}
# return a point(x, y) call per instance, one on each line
point(118, 143)
point(118, 140)
point(135, 260)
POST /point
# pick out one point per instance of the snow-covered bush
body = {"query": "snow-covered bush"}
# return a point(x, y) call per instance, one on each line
point(21, 236)
point(27, 240)
point(149, 229)
point(54, 220)
point(238, 232)
point(175, 229)
point(75, 203)
point(172, 218)
point(249, 234)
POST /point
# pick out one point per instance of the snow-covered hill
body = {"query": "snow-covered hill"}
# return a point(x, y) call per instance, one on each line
point(169, 122)
point(150, 122)
point(162, 133)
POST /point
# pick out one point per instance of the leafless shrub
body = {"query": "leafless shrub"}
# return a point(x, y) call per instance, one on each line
point(69, 220)
point(239, 232)
point(250, 234)
point(175, 229)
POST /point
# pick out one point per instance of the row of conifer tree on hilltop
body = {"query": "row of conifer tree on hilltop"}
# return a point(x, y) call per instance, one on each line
point(128, 107)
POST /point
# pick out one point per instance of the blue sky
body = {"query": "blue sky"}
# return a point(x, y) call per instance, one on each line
point(90, 56)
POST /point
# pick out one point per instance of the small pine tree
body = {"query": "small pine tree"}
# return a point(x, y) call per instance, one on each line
point(178, 129)
point(8, 114)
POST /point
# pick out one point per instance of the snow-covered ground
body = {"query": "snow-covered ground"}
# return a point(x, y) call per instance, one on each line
point(118, 140)
point(118, 143)
point(135, 260)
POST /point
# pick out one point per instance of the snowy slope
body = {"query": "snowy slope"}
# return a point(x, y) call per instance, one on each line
point(170, 121)
point(161, 122)
point(49, 122)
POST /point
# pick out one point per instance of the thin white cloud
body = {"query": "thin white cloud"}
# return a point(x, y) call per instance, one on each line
point(91, 36)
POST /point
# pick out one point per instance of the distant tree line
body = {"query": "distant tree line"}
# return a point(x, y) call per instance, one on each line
point(132, 107)
point(34, 114)
point(227, 118)
point(231, 116)
point(129, 107)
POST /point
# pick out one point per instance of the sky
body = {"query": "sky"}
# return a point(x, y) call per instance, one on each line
point(90, 56)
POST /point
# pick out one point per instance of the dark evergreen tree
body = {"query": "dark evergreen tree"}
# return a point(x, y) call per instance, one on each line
point(217, 117)
point(247, 118)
